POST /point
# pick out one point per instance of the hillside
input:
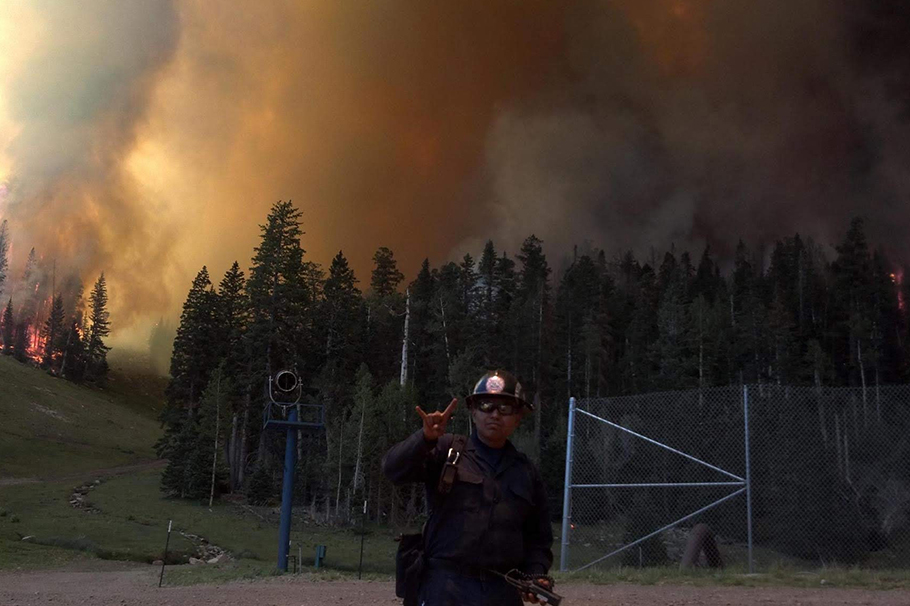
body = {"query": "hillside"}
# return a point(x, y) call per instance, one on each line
point(50, 427)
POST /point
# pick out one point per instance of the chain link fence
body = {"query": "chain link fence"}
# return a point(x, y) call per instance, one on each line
point(795, 476)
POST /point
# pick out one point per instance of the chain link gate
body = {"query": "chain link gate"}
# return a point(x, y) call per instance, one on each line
point(626, 488)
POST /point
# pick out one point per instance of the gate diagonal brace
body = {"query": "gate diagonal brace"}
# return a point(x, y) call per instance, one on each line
point(740, 481)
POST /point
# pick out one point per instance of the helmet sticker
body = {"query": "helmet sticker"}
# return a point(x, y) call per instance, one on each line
point(495, 384)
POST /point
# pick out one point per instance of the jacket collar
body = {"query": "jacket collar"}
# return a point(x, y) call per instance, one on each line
point(510, 454)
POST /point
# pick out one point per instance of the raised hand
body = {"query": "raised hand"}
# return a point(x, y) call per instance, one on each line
point(434, 423)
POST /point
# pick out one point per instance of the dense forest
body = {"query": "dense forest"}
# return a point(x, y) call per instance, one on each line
point(46, 324)
point(797, 313)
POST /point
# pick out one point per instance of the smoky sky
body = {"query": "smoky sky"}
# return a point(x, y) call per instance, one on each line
point(149, 138)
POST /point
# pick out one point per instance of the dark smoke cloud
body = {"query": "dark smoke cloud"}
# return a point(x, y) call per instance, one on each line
point(77, 101)
point(703, 122)
point(429, 127)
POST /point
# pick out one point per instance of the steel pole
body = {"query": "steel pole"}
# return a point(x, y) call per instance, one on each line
point(567, 491)
point(287, 492)
point(167, 542)
point(748, 474)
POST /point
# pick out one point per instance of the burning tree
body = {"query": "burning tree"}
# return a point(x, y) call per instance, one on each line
point(53, 335)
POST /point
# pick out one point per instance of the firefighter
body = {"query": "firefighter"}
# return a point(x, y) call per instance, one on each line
point(493, 515)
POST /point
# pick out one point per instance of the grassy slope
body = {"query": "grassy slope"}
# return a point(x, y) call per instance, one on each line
point(53, 428)
point(132, 525)
point(61, 432)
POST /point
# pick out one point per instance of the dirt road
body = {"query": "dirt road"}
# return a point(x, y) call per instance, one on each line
point(137, 587)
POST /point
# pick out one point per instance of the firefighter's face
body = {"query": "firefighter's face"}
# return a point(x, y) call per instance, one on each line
point(494, 427)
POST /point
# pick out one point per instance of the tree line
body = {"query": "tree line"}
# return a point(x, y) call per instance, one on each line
point(792, 314)
point(49, 327)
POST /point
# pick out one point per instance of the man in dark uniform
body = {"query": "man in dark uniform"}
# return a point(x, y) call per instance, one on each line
point(494, 517)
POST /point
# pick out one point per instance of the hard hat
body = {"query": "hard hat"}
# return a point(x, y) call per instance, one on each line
point(498, 384)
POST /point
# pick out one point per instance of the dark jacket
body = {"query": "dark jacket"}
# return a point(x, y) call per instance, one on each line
point(490, 519)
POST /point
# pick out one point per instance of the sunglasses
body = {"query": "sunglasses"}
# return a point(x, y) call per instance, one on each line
point(504, 407)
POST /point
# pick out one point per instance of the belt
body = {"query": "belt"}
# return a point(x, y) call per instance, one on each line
point(465, 570)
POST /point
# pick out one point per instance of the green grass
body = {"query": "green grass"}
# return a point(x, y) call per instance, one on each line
point(53, 428)
point(132, 526)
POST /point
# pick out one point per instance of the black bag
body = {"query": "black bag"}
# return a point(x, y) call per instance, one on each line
point(409, 561)
point(408, 567)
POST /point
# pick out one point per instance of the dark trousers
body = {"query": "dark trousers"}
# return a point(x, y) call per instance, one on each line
point(441, 587)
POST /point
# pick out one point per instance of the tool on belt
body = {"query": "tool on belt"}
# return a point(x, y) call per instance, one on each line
point(410, 560)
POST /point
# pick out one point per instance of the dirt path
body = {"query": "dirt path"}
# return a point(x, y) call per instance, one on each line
point(137, 587)
point(87, 475)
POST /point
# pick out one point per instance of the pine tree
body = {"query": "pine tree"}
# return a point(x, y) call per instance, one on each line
point(231, 318)
point(437, 314)
point(54, 339)
point(96, 350)
point(281, 293)
point(4, 252)
point(449, 331)
point(342, 313)
point(386, 277)
point(672, 349)
point(179, 450)
point(30, 284)
point(231, 313)
point(853, 300)
point(707, 277)
point(20, 342)
point(505, 352)
point(385, 316)
point(8, 328)
point(533, 301)
point(73, 363)
point(194, 345)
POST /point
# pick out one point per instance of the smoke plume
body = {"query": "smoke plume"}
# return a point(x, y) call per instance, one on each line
point(147, 139)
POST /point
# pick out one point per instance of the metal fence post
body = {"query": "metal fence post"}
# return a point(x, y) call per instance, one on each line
point(567, 488)
point(748, 474)
point(287, 491)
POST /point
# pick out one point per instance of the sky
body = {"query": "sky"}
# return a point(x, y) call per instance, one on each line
point(146, 139)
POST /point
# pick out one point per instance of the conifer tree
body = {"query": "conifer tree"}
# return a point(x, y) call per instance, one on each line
point(194, 345)
point(4, 252)
point(431, 334)
point(72, 363)
point(386, 277)
point(506, 323)
point(99, 328)
point(448, 331)
point(231, 313)
point(8, 328)
point(280, 293)
point(231, 318)
point(54, 340)
point(20, 341)
point(28, 306)
point(385, 316)
point(486, 321)
point(341, 312)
